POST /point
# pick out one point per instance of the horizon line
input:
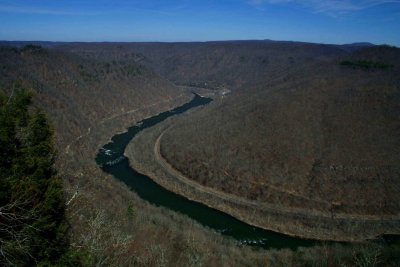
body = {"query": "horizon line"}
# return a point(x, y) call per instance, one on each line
point(206, 41)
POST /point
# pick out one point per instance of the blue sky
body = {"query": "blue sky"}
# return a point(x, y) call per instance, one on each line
point(321, 21)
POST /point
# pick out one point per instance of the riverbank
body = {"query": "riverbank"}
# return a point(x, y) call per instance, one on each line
point(296, 222)
point(154, 236)
point(98, 206)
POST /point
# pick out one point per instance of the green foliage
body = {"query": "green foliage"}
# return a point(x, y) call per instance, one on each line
point(32, 210)
point(365, 64)
point(33, 48)
point(130, 211)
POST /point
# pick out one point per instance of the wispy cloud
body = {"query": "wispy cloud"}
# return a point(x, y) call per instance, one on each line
point(332, 7)
point(9, 8)
point(122, 8)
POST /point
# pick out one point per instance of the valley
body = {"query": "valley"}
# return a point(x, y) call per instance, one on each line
point(293, 141)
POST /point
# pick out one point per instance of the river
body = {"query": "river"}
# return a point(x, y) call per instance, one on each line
point(112, 160)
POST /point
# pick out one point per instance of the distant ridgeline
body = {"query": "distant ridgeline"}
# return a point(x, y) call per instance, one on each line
point(365, 64)
point(36, 49)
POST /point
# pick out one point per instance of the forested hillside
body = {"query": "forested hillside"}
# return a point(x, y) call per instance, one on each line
point(299, 129)
point(213, 65)
point(323, 138)
point(79, 92)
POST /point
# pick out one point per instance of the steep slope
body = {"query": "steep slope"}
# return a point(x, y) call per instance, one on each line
point(76, 92)
point(213, 64)
point(326, 138)
point(92, 91)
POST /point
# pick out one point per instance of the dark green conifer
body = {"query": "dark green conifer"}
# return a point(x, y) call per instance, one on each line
point(32, 205)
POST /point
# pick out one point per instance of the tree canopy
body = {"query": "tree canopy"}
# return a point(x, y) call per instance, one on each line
point(33, 228)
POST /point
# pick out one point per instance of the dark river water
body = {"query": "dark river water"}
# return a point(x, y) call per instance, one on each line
point(112, 160)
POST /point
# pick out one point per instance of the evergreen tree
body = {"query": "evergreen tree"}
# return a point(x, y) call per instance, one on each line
point(32, 205)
